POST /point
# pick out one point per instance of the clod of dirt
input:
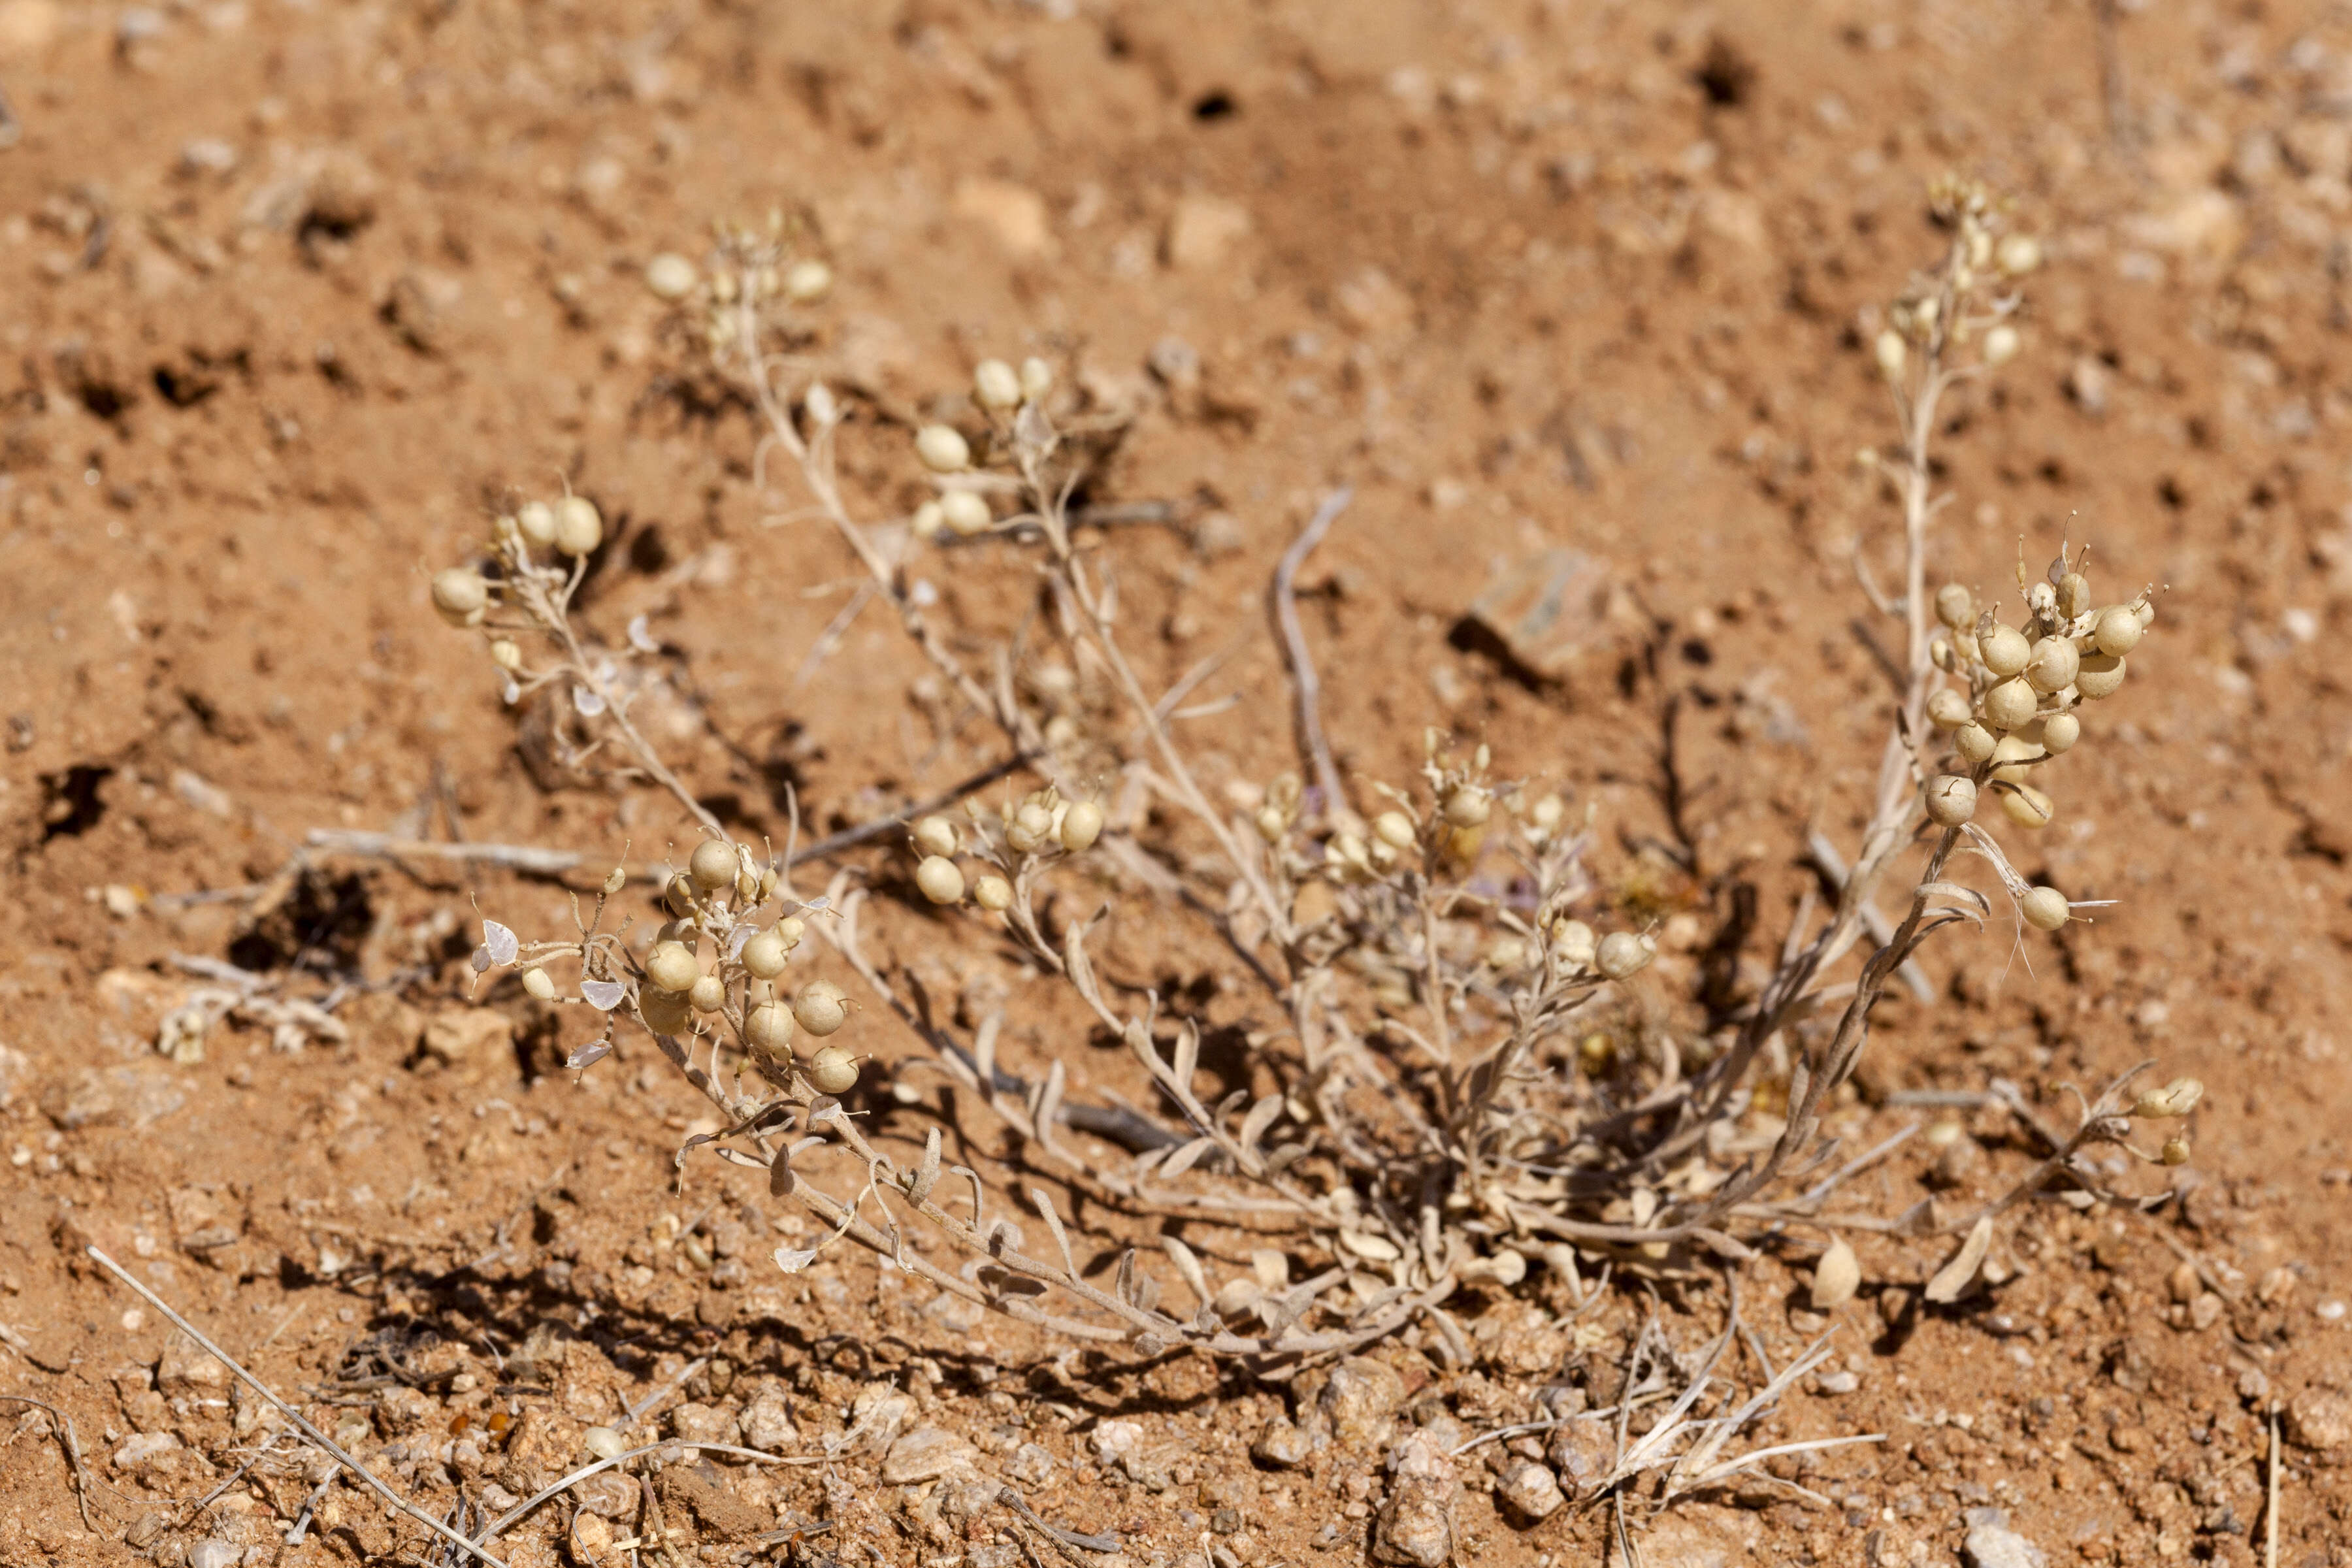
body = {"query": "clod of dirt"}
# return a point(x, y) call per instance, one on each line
point(700, 1489)
point(693, 1423)
point(768, 1421)
point(467, 1034)
point(927, 1453)
point(2321, 1421)
point(1360, 1398)
point(113, 1097)
point(1416, 1522)
point(1529, 1490)
point(1281, 1445)
point(1991, 1544)
point(187, 1370)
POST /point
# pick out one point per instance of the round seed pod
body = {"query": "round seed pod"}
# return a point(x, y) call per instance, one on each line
point(765, 955)
point(713, 866)
point(1030, 828)
point(2011, 705)
point(535, 982)
point(2145, 610)
point(672, 966)
point(2004, 652)
point(664, 1012)
point(768, 1030)
point(1955, 606)
point(1036, 378)
point(993, 893)
point(807, 280)
point(930, 519)
point(966, 512)
point(460, 596)
point(1973, 742)
point(821, 1008)
point(1889, 351)
point(535, 521)
point(2101, 675)
point(1951, 800)
point(1949, 710)
point(2001, 344)
point(2060, 732)
point(1082, 824)
point(2118, 630)
point(833, 1070)
point(2044, 908)
point(789, 930)
point(603, 1442)
point(2027, 807)
point(1573, 944)
point(579, 526)
point(1941, 655)
point(679, 894)
point(2009, 759)
point(507, 655)
point(2074, 594)
point(709, 994)
point(996, 384)
point(936, 835)
point(1395, 829)
point(615, 879)
point(2018, 253)
point(942, 449)
point(1621, 953)
point(2176, 1150)
point(2053, 664)
point(671, 275)
point(2174, 1100)
point(1469, 807)
point(1271, 824)
point(939, 880)
point(1835, 1277)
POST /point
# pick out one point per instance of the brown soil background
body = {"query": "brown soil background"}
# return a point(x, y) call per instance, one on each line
point(294, 295)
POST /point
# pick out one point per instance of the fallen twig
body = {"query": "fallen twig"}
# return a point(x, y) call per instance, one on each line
point(1294, 640)
point(65, 1427)
point(491, 1531)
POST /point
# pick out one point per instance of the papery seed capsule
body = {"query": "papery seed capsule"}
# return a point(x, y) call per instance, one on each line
point(709, 994)
point(2145, 610)
point(1941, 655)
point(748, 882)
point(2011, 704)
point(936, 835)
point(2009, 759)
point(765, 955)
point(1621, 953)
point(833, 1070)
point(807, 280)
point(579, 526)
point(1506, 953)
point(1271, 823)
point(664, 1012)
point(1395, 829)
point(603, 1442)
point(2118, 630)
point(1949, 710)
point(2001, 344)
point(535, 982)
point(460, 596)
point(996, 384)
point(535, 521)
point(615, 879)
point(939, 880)
point(1951, 800)
point(1890, 353)
point(930, 519)
point(1469, 807)
point(821, 1007)
point(789, 930)
point(1029, 829)
point(673, 966)
point(507, 655)
point(2044, 908)
point(1836, 1277)
point(1572, 942)
point(2100, 676)
point(2060, 732)
point(2027, 807)
point(2053, 664)
point(2004, 652)
point(1955, 606)
point(2174, 1150)
point(768, 1030)
point(2074, 594)
point(1082, 824)
point(679, 894)
point(1036, 378)
point(1973, 742)
point(966, 512)
point(713, 865)
point(993, 893)
point(2018, 253)
point(671, 275)
point(942, 449)
point(2176, 1098)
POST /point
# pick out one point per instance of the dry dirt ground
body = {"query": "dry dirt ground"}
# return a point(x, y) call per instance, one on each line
point(296, 292)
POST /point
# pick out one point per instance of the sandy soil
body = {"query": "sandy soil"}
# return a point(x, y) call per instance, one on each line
point(295, 295)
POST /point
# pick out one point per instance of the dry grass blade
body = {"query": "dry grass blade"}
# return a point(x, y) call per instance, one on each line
point(72, 1446)
point(498, 1526)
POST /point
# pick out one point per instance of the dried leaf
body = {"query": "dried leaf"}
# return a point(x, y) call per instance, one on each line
point(1053, 1222)
point(1185, 1158)
point(1955, 1277)
point(1260, 1118)
point(1188, 1265)
point(499, 941)
point(601, 994)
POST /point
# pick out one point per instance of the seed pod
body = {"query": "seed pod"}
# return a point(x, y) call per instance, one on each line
point(578, 526)
point(460, 596)
point(1573, 944)
point(1973, 742)
point(1036, 378)
point(2001, 344)
point(2018, 253)
point(789, 930)
point(833, 1070)
point(942, 449)
point(2027, 807)
point(749, 881)
point(1835, 1277)
point(820, 404)
point(939, 880)
point(664, 1012)
point(713, 865)
point(2118, 630)
point(535, 521)
point(1949, 710)
point(821, 1007)
point(2008, 759)
point(1271, 823)
point(993, 893)
point(2074, 594)
point(603, 1442)
point(673, 966)
point(1469, 807)
point(1889, 351)
point(2060, 732)
point(1395, 829)
point(2176, 1150)
point(934, 836)
point(615, 879)
point(2053, 664)
point(2145, 610)
point(768, 1030)
point(1955, 606)
point(1941, 655)
point(679, 894)
point(765, 955)
point(535, 980)
point(1951, 800)
point(671, 275)
point(2101, 676)
point(2011, 705)
point(1082, 824)
point(709, 994)
point(2004, 652)
point(2176, 1098)
point(807, 280)
point(1621, 953)
point(2044, 908)
point(966, 512)
point(996, 384)
point(1030, 826)
point(929, 520)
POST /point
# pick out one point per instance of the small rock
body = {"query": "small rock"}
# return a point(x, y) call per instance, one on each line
point(2205, 1312)
point(1015, 214)
point(693, 1423)
point(591, 1539)
point(1837, 1383)
point(1584, 1451)
point(955, 1313)
point(1529, 1490)
point(467, 1034)
point(768, 1421)
point(2319, 1420)
point(880, 1413)
point(1991, 1544)
point(187, 1369)
point(1416, 1528)
point(1031, 1466)
point(1360, 1398)
point(925, 1455)
point(214, 1553)
point(144, 1450)
point(113, 1097)
point(1281, 1445)
point(1115, 1440)
point(1203, 231)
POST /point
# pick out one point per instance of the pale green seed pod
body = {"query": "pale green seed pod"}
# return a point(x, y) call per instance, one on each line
point(461, 596)
point(672, 966)
point(2018, 253)
point(1949, 710)
point(939, 879)
point(768, 1030)
point(1889, 351)
point(1621, 953)
point(936, 835)
point(1469, 807)
point(2027, 807)
point(942, 449)
point(966, 512)
point(820, 1007)
point(2053, 666)
point(1082, 824)
point(1951, 800)
point(789, 930)
point(2118, 630)
point(2174, 1100)
point(1974, 742)
point(603, 1442)
point(2060, 732)
point(507, 655)
point(2001, 344)
point(1836, 1277)
point(535, 521)
point(2176, 1150)
point(2074, 594)
point(615, 879)
point(579, 526)
point(1030, 828)
point(709, 994)
point(930, 519)
point(714, 865)
point(765, 955)
point(995, 385)
point(1573, 944)
point(2009, 759)
point(807, 280)
point(833, 1070)
point(1036, 378)
point(2011, 705)
point(1955, 606)
point(1395, 829)
point(671, 277)
point(2101, 676)
point(535, 982)
point(2044, 908)
point(2004, 652)
point(993, 893)
point(664, 1012)
point(679, 894)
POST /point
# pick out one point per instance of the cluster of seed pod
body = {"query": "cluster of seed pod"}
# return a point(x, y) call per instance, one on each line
point(1013, 402)
point(1041, 825)
point(1961, 302)
point(570, 527)
point(2024, 686)
point(755, 272)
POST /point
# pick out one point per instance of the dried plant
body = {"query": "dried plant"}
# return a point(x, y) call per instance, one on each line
point(1439, 1112)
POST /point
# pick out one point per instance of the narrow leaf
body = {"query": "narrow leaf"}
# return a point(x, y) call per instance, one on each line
point(1053, 1222)
point(1188, 1265)
point(1185, 1158)
point(1956, 1275)
point(1260, 1118)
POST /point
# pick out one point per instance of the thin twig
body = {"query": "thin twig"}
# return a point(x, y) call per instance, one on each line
point(496, 1527)
point(296, 1416)
point(1826, 859)
point(881, 827)
point(637, 1412)
point(2271, 1514)
point(66, 1434)
point(518, 857)
point(1294, 640)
